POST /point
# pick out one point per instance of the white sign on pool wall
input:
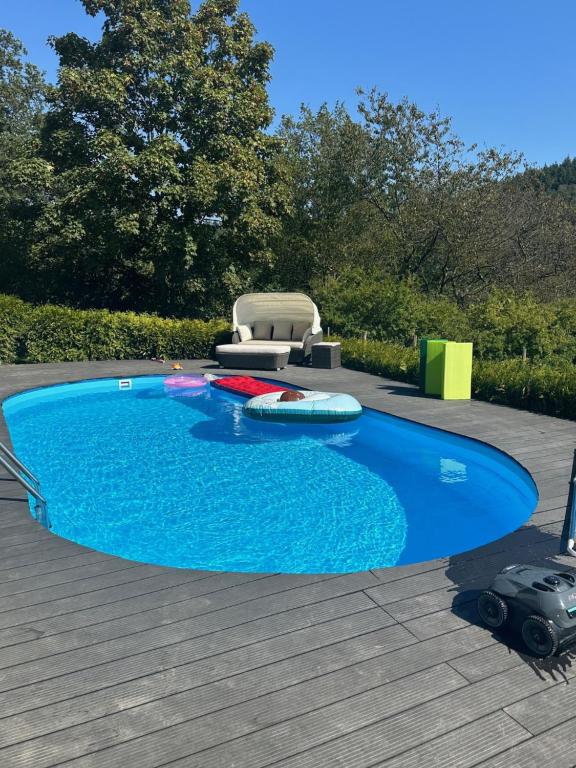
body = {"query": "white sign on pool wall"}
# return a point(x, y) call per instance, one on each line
point(125, 384)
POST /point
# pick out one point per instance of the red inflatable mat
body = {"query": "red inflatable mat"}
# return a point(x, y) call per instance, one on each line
point(247, 385)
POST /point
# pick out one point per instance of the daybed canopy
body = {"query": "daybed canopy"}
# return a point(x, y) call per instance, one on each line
point(276, 306)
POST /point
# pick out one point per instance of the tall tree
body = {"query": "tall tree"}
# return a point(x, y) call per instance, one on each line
point(558, 177)
point(167, 188)
point(24, 176)
point(330, 227)
point(399, 192)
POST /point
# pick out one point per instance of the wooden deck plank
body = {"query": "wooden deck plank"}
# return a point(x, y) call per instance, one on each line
point(37, 570)
point(66, 576)
point(551, 749)
point(187, 616)
point(401, 740)
point(368, 660)
point(206, 595)
point(545, 710)
point(202, 588)
point(203, 667)
point(100, 597)
point(97, 582)
point(466, 746)
point(254, 733)
point(180, 640)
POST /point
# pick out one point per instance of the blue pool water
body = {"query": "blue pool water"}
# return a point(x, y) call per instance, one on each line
point(183, 478)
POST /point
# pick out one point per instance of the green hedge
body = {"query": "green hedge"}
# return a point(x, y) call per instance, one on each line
point(541, 387)
point(382, 358)
point(14, 319)
point(548, 388)
point(502, 325)
point(49, 334)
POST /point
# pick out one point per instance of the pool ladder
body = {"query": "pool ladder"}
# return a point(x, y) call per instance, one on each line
point(27, 480)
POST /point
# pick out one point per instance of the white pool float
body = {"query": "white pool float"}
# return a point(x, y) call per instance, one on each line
point(315, 406)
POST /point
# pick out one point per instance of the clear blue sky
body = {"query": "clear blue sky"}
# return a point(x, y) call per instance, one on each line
point(504, 71)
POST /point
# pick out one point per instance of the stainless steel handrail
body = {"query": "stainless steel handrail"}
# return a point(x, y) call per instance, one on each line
point(33, 488)
point(22, 467)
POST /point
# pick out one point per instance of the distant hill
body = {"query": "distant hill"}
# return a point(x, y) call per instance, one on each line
point(559, 177)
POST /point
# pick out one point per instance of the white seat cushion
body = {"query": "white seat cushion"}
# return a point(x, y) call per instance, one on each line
point(260, 342)
point(246, 348)
point(244, 332)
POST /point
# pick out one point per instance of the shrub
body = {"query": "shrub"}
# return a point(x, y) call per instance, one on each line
point(382, 358)
point(357, 301)
point(506, 324)
point(388, 310)
point(196, 338)
point(503, 325)
point(56, 334)
point(14, 318)
point(548, 387)
point(438, 317)
point(48, 334)
point(143, 336)
point(565, 315)
point(540, 387)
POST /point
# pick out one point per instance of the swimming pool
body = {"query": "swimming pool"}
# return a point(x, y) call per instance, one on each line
point(180, 477)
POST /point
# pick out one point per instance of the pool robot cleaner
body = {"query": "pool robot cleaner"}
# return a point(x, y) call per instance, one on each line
point(540, 603)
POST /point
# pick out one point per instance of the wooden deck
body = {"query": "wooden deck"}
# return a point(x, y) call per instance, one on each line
point(110, 663)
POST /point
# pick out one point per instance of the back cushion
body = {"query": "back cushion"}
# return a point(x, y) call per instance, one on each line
point(298, 330)
point(245, 332)
point(262, 329)
point(282, 330)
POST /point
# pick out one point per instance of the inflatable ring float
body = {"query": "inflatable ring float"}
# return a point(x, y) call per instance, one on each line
point(314, 407)
point(186, 381)
point(188, 385)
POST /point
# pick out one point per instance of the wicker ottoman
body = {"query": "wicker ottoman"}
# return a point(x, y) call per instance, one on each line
point(264, 358)
point(326, 354)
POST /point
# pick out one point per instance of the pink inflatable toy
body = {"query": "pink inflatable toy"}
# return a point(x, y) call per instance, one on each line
point(185, 382)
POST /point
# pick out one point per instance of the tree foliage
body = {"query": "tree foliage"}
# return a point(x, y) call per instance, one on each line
point(166, 186)
point(507, 325)
point(397, 190)
point(329, 228)
point(24, 176)
point(559, 177)
point(148, 179)
point(504, 324)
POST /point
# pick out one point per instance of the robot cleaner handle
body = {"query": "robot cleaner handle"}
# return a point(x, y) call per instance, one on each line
point(571, 548)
